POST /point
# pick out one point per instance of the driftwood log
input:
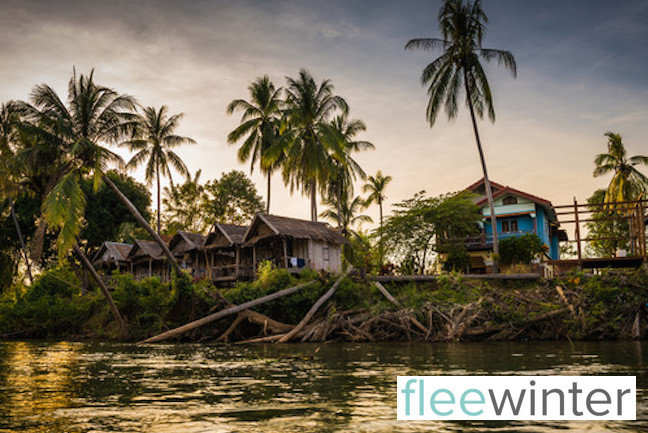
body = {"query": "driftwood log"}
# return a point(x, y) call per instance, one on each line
point(316, 306)
point(226, 312)
point(393, 300)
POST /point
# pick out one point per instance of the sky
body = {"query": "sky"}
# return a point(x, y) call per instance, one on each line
point(581, 72)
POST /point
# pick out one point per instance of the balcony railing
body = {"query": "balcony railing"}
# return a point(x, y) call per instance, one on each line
point(486, 240)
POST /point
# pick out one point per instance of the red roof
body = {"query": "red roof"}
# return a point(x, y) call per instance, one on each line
point(503, 190)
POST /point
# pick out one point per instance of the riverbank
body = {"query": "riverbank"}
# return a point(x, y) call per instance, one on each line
point(610, 306)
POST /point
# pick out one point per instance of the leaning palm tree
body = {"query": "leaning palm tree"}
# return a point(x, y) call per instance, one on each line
point(8, 185)
point(261, 125)
point(153, 143)
point(627, 183)
point(309, 109)
point(463, 25)
point(376, 186)
point(93, 117)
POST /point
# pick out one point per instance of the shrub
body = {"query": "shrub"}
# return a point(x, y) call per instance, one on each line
point(520, 249)
point(457, 260)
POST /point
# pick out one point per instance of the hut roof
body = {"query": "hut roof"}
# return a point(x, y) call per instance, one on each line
point(192, 241)
point(232, 234)
point(293, 228)
point(143, 248)
point(114, 252)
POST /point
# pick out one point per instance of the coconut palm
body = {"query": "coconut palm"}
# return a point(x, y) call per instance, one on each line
point(261, 125)
point(93, 117)
point(309, 109)
point(8, 122)
point(627, 183)
point(344, 169)
point(153, 143)
point(346, 212)
point(463, 25)
point(376, 186)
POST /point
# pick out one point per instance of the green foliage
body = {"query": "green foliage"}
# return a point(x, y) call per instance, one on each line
point(457, 259)
point(604, 229)
point(422, 224)
point(7, 271)
point(232, 199)
point(53, 306)
point(107, 218)
point(520, 249)
point(185, 207)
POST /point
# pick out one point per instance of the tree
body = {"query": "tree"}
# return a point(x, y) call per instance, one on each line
point(185, 207)
point(93, 117)
point(420, 225)
point(261, 124)
point(346, 212)
point(312, 139)
point(105, 214)
point(463, 25)
point(154, 142)
point(607, 228)
point(627, 183)
point(232, 199)
point(376, 186)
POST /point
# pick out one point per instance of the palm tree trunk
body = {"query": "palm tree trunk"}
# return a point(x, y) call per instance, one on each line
point(22, 242)
point(380, 239)
point(157, 173)
point(313, 197)
point(489, 191)
point(268, 204)
point(104, 289)
point(140, 219)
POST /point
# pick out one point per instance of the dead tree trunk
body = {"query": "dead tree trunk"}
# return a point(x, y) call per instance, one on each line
point(224, 313)
point(393, 300)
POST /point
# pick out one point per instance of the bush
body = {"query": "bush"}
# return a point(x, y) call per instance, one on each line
point(458, 259)
point(520, 249)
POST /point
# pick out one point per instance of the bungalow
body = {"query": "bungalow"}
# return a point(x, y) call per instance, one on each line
point(227, 258)
point(187, 247)
point(112, 256)
point(294, 244)
point(517, 213)
point(147, 260)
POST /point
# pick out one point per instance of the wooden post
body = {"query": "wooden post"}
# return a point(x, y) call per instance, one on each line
point(642, 232)
point(150, 267)
point(253, 262)
point(578, 238)
point(237, 260)
point(285, 252)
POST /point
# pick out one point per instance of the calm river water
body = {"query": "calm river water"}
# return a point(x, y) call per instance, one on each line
point(102, 387)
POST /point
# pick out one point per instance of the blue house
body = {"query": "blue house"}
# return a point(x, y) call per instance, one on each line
point(517, 213)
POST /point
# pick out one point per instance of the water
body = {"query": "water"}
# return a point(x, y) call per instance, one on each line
point(102, 387)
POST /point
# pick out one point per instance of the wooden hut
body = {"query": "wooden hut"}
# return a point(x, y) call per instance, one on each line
point(188, 248)
point(294, 244)
point(147, 260)
point(227, 258)
point(112, 256)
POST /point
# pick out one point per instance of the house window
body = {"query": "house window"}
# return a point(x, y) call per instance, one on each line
point(325, 252)
point(509, 226)
point(509, 200)
point(514, 225)
point(505, 226)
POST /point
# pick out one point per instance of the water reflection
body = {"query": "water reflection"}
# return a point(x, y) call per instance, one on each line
point(70, 387)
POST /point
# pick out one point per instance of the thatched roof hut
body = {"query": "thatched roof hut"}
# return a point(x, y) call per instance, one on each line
point(265, 226)
point(225, 235)
point(185, 242)
point(112, 254)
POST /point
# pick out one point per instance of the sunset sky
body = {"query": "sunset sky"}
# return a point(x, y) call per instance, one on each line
point(582, 70)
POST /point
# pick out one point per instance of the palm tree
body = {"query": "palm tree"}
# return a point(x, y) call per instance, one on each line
point(376, 186)
point(627, 183)
point(463, 24)
point(309, 108)
point(261, 123)
point(153, 143)
point(8, 121)
point(94, 116)
point(346, 212)
point(344, 169)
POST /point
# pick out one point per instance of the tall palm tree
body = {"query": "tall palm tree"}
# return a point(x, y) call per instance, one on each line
point(309, 109)
point(153, 143)
point(344, 168)
point(93, 117)
point(261, 125)
point(627, 183)
point(376, 186)
point(8, 122)
point(463, 25)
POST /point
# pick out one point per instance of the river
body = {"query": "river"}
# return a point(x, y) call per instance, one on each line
point(106, 387)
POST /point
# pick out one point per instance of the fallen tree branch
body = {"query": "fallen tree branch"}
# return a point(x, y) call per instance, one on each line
point(315, 307)
point(489, 329)
point(393, 300)
point(224, 313)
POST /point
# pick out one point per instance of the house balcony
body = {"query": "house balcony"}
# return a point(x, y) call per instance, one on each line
point(484, 241)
